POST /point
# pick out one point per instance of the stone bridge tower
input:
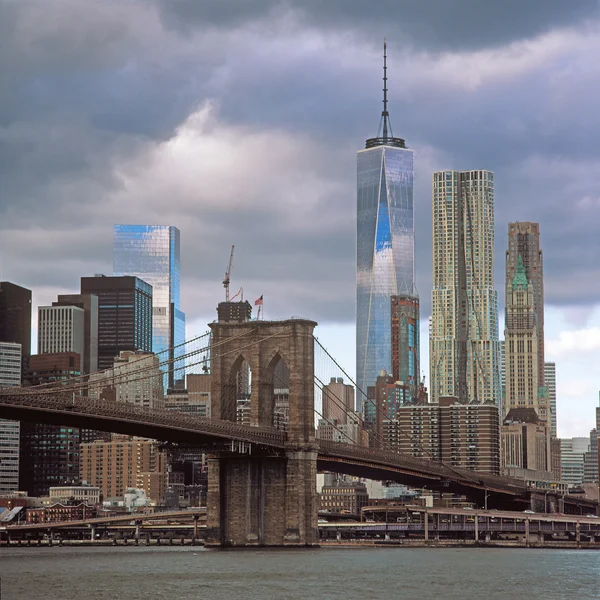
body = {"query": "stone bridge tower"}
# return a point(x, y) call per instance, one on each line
point(262, 497)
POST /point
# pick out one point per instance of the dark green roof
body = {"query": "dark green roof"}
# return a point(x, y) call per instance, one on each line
point(520, 278)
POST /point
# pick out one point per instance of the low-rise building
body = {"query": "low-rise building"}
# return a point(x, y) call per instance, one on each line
point(75, 493)
point(59, 512)
point(347, 497)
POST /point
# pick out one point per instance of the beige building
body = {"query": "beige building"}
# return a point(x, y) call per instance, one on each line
point(123, 463)
point(79, 493)
point(463, 337)
point(521, 353)
point(135, 379)
point(348, 497)
point(338, 400)
point(524, 441)
point(351, 432)
point(195, 399)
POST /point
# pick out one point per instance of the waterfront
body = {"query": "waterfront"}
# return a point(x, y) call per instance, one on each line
point(354, 574)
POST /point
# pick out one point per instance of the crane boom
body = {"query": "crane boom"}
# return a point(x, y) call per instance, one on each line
point(228, 275)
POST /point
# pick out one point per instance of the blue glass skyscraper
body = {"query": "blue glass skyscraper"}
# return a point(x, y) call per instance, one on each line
point(385, 246)
point(151, 252)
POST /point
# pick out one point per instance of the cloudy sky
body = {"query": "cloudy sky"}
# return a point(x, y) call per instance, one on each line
point(239, 121)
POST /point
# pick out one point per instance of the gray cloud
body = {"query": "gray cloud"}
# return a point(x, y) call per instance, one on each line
point(91, 134)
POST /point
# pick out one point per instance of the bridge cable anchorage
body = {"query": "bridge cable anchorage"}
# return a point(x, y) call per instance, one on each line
point(378, 410)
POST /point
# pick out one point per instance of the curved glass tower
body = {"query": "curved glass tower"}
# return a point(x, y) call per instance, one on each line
point(385, 246)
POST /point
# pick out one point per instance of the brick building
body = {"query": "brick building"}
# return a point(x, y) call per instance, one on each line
point(347, 497)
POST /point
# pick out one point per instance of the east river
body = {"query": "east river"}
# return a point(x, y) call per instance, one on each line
point(354, 574)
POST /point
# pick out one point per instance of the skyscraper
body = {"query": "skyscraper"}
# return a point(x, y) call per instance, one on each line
point(550, 383)
point(524, 242)
point(151, 252)
point(89, 304)
point(10, 376)
point(385, 245)
point(521, 351)
point(15, 318)
point(61, 329)
point(464, 346)
point(124, 315)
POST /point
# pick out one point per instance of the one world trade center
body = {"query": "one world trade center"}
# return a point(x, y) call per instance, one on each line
point(385, 258)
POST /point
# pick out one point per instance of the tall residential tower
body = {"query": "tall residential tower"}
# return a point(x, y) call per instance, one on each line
point(464, 346)
point(385, 248)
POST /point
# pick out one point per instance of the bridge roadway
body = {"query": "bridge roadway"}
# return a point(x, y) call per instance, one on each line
point(72, 411)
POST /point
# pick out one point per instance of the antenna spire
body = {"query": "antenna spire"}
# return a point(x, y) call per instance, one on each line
point(384, 112)
point(385, 126)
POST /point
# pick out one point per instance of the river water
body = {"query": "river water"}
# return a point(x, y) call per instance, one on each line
point(354, 574)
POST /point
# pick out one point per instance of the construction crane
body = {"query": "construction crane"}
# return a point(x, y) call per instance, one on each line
point(228, 275)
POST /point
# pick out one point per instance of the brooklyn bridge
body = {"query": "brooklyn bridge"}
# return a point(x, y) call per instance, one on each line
point(261, 479)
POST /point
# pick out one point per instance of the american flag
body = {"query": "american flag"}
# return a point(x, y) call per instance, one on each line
point(258, 301)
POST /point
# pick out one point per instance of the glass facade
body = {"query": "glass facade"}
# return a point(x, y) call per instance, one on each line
point(151, 252)
point(384, 255)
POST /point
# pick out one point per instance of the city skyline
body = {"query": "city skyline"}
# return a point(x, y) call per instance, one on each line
point(304, 264)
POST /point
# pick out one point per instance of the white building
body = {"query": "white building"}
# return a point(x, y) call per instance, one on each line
point(464, 343)
point(61, 329)
point(10, 376)
point(550, 383)
point(80, 493)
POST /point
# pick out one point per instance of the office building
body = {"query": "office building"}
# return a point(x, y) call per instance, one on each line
point(550, 384)
point(524, 253)
point(49, 453)
point(75, 493)
point(405, 342)
point(338, 400)
point(234, 312)
point(122, 463)
point(590, 460)
point(135, 379)
point(572, 459)
point(350, 432)
point(61, 329)
point(385, 246)
point(151, 253)
point(15, 318)
point(464, 345)
point(525, 441)
point(523, 389)
point(10, 376)
point(124, 315)
point(89, 304)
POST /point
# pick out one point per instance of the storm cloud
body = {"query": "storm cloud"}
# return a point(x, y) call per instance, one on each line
point(238, 122)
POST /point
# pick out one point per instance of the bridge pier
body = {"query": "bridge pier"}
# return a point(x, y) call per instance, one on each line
point(262, 501)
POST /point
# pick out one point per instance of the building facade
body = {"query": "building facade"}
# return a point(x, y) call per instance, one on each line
point(61, 329)
point(385, 245)
point(124, 315)
point(550, 384)
point(135, 379)
point(89, 304)
point(10, 376)
point(572, 454)
point(346, 497)
point(338, 400)
point(415, 431)
point(15, 318)
point(469, 436)
point(590, 460)
point(120, 464)
point(525, 441)
point(49, 453)
point(524, 242)
point(523, 389)
point(152, 253)
point(406, 345)
point(464, 345)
